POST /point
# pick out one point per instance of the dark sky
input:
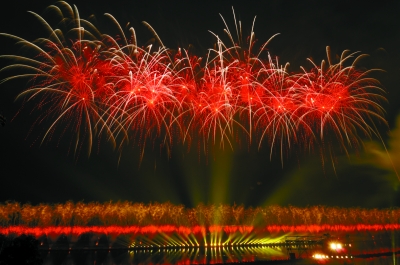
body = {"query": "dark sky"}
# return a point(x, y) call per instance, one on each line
point(50, 173)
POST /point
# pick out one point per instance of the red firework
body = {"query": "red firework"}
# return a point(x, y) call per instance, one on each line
point(337, 99)
point(95, 84)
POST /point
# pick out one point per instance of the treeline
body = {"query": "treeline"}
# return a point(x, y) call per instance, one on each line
point(129, 213)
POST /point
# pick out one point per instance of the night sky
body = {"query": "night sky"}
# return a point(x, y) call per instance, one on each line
point(51, 172)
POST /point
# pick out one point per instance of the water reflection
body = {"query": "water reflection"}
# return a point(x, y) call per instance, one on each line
point(165, 256)
point(359, 248)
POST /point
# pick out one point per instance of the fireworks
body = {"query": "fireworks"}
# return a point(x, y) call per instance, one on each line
point(95, 85)
point(167, 214)
point(165, 224)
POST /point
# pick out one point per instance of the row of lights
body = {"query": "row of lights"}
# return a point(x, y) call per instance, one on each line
point(335, 246)
point(205, 245)
point(322, 256)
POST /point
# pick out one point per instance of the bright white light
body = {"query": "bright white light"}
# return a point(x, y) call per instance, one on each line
point(320, 256)
point(335, 246)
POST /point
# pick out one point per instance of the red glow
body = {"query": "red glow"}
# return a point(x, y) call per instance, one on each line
point(196, 230)
point(114, 87)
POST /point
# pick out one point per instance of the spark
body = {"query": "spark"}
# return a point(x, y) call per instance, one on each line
point(93, 84)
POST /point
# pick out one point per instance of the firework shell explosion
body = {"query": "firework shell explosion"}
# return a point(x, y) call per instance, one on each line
point(165, 225)
point(136, 218)
point(95, 85)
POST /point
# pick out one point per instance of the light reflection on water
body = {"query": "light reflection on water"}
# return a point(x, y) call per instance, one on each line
point(165, 256)
point(188, 256)
point(355, 246)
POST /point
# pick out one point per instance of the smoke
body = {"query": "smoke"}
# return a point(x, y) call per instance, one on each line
point(364, 178)
point(384, 157)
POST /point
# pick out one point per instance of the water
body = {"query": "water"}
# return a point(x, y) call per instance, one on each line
point(165, 256)
point(246, 255)
point(380, 247)
point(360, 250)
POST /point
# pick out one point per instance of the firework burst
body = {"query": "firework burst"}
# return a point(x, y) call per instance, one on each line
point(338, 100)
point(94, 84)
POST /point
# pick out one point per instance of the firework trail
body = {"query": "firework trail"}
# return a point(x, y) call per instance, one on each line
point(96, 85)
